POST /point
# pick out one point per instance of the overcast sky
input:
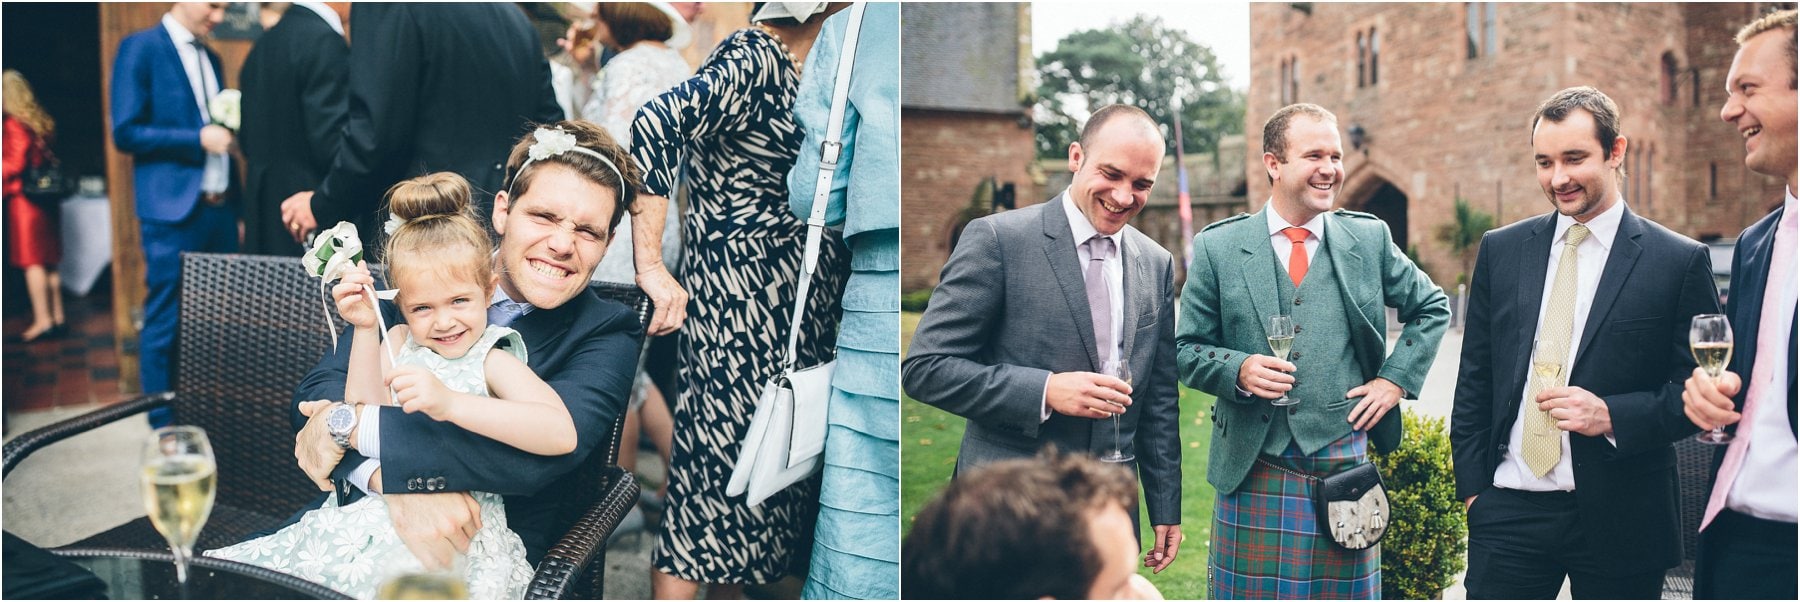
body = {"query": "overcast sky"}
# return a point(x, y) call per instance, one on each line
point(1223, 26)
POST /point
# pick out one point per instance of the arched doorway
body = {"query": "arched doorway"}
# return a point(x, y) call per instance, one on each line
point(1389, 204)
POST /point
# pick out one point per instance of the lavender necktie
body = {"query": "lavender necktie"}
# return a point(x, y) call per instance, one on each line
point(504, 312)
point(1099, 298)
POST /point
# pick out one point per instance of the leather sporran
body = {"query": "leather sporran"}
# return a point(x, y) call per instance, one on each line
point(1352, 507)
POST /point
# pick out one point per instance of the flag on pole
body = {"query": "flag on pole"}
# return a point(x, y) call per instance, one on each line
point(1182, 199)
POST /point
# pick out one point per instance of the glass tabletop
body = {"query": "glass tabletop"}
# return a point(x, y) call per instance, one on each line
point(146, 575)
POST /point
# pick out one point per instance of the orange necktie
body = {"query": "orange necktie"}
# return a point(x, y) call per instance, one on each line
point(1297, 256)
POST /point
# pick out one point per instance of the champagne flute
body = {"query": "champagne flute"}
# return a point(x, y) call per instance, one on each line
point(1121, 370)
point(179, 476)
point(1281, 341)
point(1709, 335)
point(1547, 363)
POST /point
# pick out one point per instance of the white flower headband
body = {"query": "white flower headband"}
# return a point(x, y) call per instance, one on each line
point(553, 142)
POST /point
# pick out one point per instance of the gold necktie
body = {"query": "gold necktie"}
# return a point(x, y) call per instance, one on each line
point(1543, 442)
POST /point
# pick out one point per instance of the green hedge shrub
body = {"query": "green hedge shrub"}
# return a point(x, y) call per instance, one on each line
point(915, 301)
point(1426, 542)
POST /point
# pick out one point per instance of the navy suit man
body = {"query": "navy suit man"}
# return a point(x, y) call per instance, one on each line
point(162, 79)
point(1748, 535)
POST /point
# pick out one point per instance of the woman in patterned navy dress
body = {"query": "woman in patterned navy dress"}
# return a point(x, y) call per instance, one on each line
point(730, 130)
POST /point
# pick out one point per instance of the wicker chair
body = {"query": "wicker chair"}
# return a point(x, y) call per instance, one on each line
point(1694, 472)
point(251, 327)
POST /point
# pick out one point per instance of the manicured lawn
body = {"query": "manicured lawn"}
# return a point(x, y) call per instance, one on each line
point(930, 437)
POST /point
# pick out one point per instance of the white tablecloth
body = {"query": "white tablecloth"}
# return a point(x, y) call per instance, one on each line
point(86, 241)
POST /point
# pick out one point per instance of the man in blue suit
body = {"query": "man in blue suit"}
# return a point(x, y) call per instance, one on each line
point(163, 78)
point(1748, 535)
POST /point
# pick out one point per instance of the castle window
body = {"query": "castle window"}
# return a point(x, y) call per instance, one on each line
point(1362, 61)
point(1480, 29)
point(1670, 87)
point(1374, 56)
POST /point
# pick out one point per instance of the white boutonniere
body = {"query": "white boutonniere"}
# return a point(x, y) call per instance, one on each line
point(226, 109)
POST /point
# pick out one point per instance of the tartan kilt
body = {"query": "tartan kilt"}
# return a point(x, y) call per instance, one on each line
point(1266, 542)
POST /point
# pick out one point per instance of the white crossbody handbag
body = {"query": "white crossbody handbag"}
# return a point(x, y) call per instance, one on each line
point(786, 440)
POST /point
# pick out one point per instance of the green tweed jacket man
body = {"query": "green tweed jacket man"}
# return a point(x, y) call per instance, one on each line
point(1232, 288)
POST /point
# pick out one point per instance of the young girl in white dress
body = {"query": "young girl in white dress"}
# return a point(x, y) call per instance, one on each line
point(441, 261)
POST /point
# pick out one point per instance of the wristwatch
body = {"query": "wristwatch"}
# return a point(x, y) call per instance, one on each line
point(339, 421)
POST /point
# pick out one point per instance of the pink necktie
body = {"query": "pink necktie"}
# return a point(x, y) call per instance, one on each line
point(1768, 355)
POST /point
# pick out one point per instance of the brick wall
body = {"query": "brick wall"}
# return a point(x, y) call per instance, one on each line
point(944, 157)
point(1441, 125)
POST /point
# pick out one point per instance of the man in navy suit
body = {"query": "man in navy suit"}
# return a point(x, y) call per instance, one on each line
point(1748, 535)
point(163, 78)
point(584, 347)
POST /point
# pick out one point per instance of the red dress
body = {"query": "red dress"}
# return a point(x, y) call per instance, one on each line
point(30, 229)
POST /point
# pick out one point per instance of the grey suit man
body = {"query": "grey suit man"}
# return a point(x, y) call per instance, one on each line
point(1012, 343)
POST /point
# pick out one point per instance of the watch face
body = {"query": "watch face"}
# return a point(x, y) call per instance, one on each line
point(341, 419)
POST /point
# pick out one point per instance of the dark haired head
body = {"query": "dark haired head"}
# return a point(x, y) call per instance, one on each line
point(608, 173)
point(1586, 98)
point(1013, 530)
point(1275, 130)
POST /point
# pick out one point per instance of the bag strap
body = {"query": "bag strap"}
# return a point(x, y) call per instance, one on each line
point(829, 152)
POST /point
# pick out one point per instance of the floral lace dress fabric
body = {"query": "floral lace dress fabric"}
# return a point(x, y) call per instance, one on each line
point(353, 548)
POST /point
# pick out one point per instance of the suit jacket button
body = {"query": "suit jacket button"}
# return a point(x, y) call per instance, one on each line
point(1502, 448)
point(1296, 300)
point(1296, 329)
point(1296, 355)
point(1265, 417)
point(1293, 410)
point(414, 484)
point(1409, 342)
point(435, 484)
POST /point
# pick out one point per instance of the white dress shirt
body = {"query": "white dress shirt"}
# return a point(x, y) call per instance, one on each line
point(1590, 262)
point(204, 85)
point(1768, 478)
point(1112, 267)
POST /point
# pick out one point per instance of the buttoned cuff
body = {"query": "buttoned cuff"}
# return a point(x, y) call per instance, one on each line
point(368, 433)
point(361, 475)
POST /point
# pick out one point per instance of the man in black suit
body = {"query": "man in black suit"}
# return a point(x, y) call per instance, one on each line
point(1748, 535)
point(1568, 470)
point(294, 105)
point(433, 87)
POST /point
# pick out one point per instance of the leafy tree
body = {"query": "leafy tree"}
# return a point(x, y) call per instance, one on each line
point(1463, 234)
point(1142, 63)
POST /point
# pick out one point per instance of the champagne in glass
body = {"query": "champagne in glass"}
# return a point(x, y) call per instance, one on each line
point(178, 485)
point(1281, 341)
point(1709, 335)
point(1121, 370)
point(1547, 363)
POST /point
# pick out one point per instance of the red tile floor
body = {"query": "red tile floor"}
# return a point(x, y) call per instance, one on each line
point(77, 369)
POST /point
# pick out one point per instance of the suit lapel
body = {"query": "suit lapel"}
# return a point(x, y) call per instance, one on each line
point(1534, 263)
point(1348, 264)
point(1619, 261)
point(1259, 266)
point(180, 71)
point(1059, 252)
point(1130, 280)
